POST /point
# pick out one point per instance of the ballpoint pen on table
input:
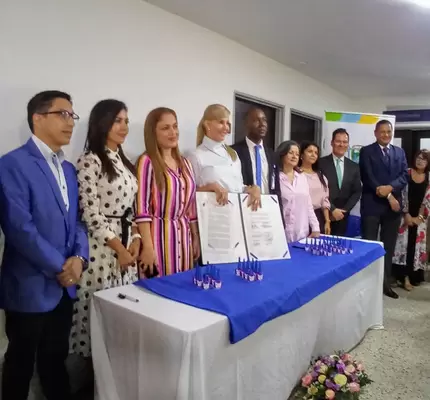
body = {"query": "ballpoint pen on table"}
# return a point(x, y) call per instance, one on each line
point(125, 296)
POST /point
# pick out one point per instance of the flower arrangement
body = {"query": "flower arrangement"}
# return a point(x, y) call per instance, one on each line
point(333, 377)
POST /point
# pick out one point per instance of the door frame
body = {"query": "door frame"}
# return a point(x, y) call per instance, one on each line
point(279, 114)
point(318, 123)
point(414, 134)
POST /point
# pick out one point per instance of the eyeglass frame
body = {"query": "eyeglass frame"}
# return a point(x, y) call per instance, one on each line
point(63, 113)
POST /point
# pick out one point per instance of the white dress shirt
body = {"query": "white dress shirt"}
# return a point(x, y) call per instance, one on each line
point(54, 161)
point(264, 165)
point(382, 148)
point(341, 163)
point(211, 163)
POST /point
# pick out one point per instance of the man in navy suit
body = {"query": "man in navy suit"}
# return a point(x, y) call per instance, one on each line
point(46, 248)
point(384, 174)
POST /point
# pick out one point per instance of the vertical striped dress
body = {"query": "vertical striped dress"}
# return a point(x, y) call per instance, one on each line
point(170, 211)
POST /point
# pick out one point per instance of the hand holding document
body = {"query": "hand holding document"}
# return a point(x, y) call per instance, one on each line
point(234, 231)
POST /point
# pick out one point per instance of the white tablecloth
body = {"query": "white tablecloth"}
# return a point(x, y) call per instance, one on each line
point(159, 349)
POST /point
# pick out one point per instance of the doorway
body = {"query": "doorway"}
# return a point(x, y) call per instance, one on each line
point(305, 127)
point(274, 114)
point(411, 141)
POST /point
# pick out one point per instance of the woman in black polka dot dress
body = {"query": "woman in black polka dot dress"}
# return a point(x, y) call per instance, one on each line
point(107, 188)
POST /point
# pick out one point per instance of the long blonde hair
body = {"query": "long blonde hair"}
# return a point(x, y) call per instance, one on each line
point(212, 113)
point(152, 149)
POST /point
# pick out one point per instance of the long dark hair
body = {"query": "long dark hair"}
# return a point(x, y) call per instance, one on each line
point(102, 118)
point(315, 166)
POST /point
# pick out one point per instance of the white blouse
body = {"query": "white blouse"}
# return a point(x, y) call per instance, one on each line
point(212, 163)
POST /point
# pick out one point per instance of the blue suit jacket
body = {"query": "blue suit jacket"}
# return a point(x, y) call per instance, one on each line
point(374, 172)
point(40, 233)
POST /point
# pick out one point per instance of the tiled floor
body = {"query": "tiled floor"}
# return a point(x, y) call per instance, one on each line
point(398, 358)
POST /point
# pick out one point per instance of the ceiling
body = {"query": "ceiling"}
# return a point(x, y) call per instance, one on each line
point(363, 48)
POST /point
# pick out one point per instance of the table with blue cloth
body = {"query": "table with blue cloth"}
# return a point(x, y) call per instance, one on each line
point(247, 340)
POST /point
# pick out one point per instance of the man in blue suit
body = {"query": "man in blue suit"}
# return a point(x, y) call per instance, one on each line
point(46, 248)
point(384, 174)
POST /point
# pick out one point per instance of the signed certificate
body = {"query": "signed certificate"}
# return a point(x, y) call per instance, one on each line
point(234, 231)
point(264, 230)
point(221, 231)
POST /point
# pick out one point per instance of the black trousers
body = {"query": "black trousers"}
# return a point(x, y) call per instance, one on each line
point(389, 224)
point(42, 338)
point(321, 219)
point(338, 228)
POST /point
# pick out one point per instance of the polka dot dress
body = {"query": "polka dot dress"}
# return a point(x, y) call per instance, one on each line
point(100, 200)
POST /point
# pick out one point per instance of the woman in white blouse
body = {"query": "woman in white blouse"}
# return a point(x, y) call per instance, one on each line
point(216, 166)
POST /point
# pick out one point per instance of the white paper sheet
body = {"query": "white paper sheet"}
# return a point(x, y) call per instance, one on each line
point(221, 233)
point(264, 230)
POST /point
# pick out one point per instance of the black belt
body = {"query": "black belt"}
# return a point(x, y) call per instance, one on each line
point(126, 223)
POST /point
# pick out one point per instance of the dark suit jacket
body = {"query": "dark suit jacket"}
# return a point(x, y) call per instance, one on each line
point(347, 196)
point(242, 151)
point(375, 173)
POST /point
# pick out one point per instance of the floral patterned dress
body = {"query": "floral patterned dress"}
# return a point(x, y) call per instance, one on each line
point(403, 247)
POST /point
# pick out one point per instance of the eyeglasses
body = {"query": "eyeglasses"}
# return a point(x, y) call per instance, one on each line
point(66, 115)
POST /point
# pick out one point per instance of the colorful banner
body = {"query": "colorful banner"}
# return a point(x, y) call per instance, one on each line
point(355, 118)
point(360, 128)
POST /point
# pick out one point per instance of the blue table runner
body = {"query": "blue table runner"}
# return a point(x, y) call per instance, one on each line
point(287, 285)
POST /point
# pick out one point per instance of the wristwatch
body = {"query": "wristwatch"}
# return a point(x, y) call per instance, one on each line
point(84, 261)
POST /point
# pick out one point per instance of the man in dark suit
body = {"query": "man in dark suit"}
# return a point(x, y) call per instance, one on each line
point(46, 248)
point(257, 159)
point(384, 174)
point(344, 181)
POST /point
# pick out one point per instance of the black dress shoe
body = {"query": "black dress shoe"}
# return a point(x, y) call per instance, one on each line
point(391, 293)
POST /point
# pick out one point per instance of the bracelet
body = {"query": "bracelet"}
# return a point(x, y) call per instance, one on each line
point(136, 236)
point(388, 196)
point(83, 260)
point(421, 217)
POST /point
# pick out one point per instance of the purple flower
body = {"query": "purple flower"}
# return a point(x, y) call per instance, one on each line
point(314, 374)
point(331, 385)
point(340, 367)
point(327, 361)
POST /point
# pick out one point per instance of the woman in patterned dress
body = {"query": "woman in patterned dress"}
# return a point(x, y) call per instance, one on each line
point(166, 199)
point(410, 254)
point(107, 188)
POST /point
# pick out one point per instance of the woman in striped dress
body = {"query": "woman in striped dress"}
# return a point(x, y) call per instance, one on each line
point(166, 199)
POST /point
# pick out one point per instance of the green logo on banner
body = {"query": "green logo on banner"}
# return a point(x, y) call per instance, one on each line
point(333, 116)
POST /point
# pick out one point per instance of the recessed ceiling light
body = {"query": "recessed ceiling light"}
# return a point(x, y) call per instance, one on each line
point(421, 3)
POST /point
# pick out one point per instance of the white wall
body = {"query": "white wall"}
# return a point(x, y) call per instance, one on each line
point(379, 104)
point(130, 50)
